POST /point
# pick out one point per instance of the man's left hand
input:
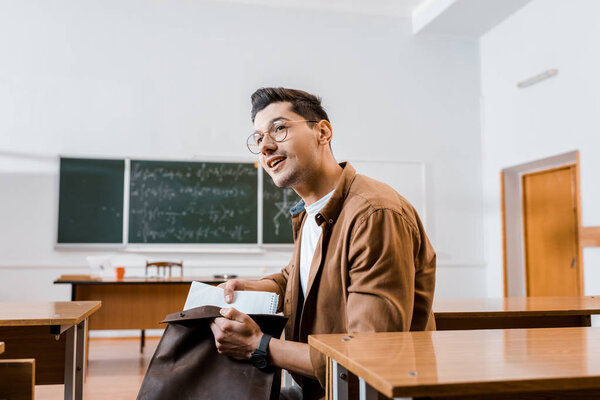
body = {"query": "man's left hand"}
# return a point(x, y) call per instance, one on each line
point(236, 334)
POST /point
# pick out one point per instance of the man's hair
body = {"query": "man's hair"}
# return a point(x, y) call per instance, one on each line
point(305, 104)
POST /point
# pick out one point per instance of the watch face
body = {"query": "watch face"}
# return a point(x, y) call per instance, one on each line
point(261, 362)
point(259, 359)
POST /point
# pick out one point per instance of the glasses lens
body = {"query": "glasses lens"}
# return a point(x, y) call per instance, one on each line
point(253, 143)
point(279, 133)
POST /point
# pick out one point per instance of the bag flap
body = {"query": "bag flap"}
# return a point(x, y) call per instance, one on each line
point(193, 313)
point(269, 323)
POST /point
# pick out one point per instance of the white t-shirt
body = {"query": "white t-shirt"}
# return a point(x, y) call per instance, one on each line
point(310, 237)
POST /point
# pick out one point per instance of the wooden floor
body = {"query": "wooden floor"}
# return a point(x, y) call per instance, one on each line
point(115, 370)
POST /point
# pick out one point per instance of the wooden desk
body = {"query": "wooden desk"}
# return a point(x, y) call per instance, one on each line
point(53, 334)
point(515, 312)
point(473, 364)
point(134, 303)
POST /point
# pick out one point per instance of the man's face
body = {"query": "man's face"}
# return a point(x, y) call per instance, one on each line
point(288, 162)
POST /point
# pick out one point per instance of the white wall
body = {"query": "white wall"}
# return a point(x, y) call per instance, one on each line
point(552, 117)
point(162, 79)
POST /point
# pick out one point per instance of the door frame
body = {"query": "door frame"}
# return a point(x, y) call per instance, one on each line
point(513, 236)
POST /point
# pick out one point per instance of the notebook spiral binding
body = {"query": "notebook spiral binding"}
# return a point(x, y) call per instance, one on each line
point(274, 303)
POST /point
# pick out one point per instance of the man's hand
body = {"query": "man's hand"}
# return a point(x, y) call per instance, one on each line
point(230, 286)
point(236, 334)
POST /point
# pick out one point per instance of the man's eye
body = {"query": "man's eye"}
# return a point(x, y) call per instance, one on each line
point(279, 128)
point(259, 139)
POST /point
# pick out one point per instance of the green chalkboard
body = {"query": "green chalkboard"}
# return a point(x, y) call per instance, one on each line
point(91, 201)
point(192, 202)
point(277, 220)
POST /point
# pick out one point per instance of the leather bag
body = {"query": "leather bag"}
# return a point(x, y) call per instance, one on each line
point(186, 364)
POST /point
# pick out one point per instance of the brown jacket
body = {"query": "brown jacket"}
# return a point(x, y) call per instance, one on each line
point(373, 269)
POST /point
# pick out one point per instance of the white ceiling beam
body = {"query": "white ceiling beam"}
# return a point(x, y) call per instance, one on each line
point(470, 18)
point(428, 11)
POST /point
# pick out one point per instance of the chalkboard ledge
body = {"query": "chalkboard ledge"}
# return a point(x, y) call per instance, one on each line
point(277, 246)
point(89, 246)
point(178, 248)
point(199, 248)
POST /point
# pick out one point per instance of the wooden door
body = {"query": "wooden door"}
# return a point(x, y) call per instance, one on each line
point(550, 219)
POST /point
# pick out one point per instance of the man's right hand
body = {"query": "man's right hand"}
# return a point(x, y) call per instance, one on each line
point(230, 286)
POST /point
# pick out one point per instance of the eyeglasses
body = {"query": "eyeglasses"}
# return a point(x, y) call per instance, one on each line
point(278, 132)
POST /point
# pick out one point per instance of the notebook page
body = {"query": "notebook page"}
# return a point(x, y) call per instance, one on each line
point(248, 302)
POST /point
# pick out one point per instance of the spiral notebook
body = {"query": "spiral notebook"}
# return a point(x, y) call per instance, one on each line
point(248, 302)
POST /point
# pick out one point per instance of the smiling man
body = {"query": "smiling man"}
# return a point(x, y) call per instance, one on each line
point(361, 261)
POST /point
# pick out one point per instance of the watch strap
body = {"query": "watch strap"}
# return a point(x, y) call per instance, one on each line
point(264, 343)
point(260, 356)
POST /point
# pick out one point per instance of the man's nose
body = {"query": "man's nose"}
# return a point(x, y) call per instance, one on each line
point(268, 145)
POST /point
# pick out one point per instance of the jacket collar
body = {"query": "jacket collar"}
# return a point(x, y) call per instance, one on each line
point(334, 206)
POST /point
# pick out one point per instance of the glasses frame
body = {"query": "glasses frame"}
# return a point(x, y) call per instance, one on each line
point(248, 145)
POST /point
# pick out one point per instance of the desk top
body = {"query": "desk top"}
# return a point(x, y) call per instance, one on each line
point(46, 313)
point(400, 364)
point(1, 347)
point(515, 306)
point(150, 280)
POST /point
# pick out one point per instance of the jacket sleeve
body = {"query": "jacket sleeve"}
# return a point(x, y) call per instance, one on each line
point(281, 279)
point(381, 262)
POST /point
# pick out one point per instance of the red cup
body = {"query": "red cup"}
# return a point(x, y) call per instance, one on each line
point(120, 273)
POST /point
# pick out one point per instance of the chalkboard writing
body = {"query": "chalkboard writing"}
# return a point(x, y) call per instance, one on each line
point(277, 220)
point(90, 202)
point(192, 202)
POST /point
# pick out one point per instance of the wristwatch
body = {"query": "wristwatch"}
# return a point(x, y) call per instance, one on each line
point(260, 357)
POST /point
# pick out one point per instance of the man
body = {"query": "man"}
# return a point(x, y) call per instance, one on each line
point(361, 261)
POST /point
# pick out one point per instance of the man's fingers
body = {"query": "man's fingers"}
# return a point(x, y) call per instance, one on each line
point(228, 294)
point(230, 287)
point(235, 333)
point(233, 314)
point(221, 323)
point(216, 331)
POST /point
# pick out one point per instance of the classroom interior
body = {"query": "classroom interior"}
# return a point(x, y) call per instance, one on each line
point(452, 102)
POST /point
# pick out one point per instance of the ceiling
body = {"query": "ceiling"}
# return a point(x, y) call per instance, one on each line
point(396, 8)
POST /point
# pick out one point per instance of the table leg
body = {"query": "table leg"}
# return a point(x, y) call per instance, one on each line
point(80, 358)
point(74, 361)
point(87, 351)
point(340, 381)
point(366, 391)
point(73, 292)
point(70, 367)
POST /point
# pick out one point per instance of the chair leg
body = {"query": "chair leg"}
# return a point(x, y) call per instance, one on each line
point(143, 341)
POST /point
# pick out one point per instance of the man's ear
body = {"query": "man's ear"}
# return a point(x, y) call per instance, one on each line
point(325, 131)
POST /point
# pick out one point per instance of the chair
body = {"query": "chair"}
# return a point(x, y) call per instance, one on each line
point(160, 266)
point(163, 266)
